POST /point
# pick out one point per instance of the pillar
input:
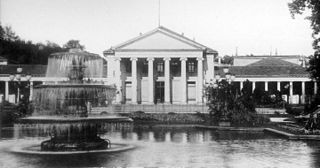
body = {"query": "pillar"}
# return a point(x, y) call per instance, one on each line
point(150, 81)
point(290, 92)
point(134, 85)
point(167, 88)
point(7, 90)
point(241, 85)
point(278, 86)
point(253, 86)
point(117, 76)
point(31, 91)
point(200, 80)
point(184, 80)
point(303, 92)
point(266, 86)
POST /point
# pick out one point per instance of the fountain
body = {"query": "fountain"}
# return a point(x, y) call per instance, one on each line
point(61, 110)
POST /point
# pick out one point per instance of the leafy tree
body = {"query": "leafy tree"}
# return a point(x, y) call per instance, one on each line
point(299, 7)
point(73, 44)
point(19, 51)
point(227, 60)
point(224, 105)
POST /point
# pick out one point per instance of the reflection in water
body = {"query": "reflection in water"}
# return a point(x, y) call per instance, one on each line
point(183, 147)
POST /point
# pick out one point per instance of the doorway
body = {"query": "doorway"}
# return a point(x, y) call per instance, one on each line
point(159, 93)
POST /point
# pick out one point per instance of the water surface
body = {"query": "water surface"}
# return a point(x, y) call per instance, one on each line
point(159, 146)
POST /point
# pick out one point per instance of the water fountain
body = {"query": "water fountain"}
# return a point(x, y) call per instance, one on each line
point(61, 109)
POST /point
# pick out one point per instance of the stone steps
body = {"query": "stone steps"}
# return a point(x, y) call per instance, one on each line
point(159, 108)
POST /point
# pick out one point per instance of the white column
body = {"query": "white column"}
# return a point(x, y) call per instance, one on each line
point(200, 80)
point(303, 92)
point(265, 86)
point(315, 88)
point(167, 89)
point(278, 86)
point(253, 86)
point(183, 80)
point(150, 81)
point(117, 76)
point(210, 70)
point(134, 86)
point(241, 85)
point(31, 91)
point(290, 92)
point(7, 90)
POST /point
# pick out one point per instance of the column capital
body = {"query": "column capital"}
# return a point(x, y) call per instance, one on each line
point(150, 59)
point(117, 58)
point(166, 58)
point(133, 59)
point(200, 58)
point(183, 59)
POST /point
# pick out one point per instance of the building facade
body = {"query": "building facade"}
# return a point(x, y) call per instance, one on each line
point(164, 67)
point(160, 66)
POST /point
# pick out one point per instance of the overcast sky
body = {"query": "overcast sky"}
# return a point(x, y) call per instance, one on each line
point(253, 26)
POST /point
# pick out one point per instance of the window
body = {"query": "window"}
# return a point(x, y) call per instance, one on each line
point(160, 67)
point(191, 67)
point(145, 67)
point(128, 66)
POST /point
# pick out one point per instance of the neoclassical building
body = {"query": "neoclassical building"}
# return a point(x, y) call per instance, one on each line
point(160, 66)
point(167, 68)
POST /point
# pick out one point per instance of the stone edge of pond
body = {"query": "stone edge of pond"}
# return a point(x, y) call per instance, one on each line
point(247, 129)
point(293, 136)
point(290, 136)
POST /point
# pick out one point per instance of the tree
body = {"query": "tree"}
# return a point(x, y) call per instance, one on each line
point(19, 51)
point(227, 60)
point(9, 34)
point(299, 7)
point(73, 44)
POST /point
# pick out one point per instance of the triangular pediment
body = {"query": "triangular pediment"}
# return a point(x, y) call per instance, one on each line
point(160, 39)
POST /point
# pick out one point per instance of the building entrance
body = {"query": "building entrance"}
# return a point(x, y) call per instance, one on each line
point(159, 92)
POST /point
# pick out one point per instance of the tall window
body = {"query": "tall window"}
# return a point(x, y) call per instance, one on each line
point(160, 67)
point(191, 67)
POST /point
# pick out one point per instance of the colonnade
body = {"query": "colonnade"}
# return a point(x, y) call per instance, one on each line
point(290, 87)
point(167, 79)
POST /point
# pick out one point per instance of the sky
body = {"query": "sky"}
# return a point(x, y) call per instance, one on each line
point(257, 27)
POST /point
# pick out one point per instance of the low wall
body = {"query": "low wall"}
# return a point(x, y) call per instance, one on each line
point(270, 111)
point(159, 108)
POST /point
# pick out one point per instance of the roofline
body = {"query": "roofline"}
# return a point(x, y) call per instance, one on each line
point(267, 56)
point(165, 31)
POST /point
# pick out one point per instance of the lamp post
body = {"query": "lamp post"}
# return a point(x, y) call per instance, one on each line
point(18, 77)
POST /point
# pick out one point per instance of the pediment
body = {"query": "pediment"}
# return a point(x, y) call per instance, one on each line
point(160, 39)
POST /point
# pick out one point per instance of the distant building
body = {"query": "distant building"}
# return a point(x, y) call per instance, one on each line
point(284, 73)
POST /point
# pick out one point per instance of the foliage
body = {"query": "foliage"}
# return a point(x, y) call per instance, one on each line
point(224, 105)
point(19, 51)
point(227, 60)
point(298, 7)
point(73, 44)
point(265, 98)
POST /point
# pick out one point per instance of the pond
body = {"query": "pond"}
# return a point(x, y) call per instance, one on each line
point(175, 146)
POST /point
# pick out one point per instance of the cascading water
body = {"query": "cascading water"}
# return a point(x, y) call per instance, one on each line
point(61, 110)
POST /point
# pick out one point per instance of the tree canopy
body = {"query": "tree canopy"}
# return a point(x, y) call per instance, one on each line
point(19, 51)
point(73, 44)
point(299, 7)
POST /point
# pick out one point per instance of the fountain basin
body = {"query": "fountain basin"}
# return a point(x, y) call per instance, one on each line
point(35, 149)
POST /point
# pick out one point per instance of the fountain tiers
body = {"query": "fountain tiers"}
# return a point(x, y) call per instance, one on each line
point(61, 110)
